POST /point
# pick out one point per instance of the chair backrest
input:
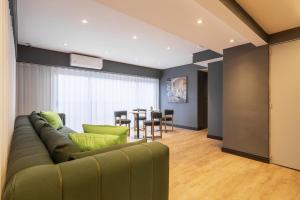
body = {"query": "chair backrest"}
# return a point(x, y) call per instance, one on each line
point(156, 115)
point(169, 112)
point(119, 114)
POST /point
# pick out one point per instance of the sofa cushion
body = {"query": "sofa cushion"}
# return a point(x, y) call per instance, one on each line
point(66, 131)
point(79, 155)
point(107, 130)
point(34, 116)
point(90, 141)
point(53, 119)
point(38, 124)
point(27, 149)
point(57, 144)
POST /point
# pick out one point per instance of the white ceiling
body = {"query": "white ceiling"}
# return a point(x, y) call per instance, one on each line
point(167, 30)
point(273, 16)
point(108, 34)
point(180, 18)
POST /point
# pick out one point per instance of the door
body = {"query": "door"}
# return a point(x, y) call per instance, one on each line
point(202, 100)
point(285, 104)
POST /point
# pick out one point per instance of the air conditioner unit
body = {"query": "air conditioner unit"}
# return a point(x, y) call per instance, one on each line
point(86, 62)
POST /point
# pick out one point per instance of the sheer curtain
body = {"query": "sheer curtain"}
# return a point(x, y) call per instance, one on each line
point(85, 96)
point(7, 87)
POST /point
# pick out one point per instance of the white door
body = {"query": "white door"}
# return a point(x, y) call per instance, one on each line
point(285, 104)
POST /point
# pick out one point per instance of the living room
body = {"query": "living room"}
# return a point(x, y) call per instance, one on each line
point(111, 99)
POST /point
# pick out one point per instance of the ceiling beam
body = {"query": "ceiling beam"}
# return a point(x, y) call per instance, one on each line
point(283, 36)
point(245, 17)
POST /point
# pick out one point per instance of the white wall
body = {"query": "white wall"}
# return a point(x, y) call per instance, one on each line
point(285, 98)
point(7, 86)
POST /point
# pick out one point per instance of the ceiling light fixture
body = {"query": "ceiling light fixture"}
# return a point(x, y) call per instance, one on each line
point(199, 21)
point(65, 44)
point(231, 40)
point(135, 37)
point(84, 21)
point(168, 48)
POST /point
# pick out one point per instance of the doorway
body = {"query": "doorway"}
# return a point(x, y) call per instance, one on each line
point(285, 104)
point(202, 100)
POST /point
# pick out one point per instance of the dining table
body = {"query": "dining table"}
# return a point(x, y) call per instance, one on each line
point(136, 114)
point(136, 117)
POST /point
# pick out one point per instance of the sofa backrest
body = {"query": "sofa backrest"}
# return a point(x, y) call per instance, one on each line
point(27, 150)
point(139, 172)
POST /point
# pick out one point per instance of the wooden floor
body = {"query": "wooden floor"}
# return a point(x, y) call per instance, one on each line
point(199, 170)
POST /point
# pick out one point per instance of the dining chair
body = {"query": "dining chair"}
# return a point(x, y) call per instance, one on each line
point(168, 116)
point(121, 119)
point(156, 120)
point(142, 116)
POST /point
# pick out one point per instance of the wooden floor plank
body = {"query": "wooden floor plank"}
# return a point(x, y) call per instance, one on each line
point(200, 170)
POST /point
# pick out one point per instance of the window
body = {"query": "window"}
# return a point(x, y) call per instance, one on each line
point(89, 96)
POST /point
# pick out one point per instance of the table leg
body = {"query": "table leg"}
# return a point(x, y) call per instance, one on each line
point(138, 125)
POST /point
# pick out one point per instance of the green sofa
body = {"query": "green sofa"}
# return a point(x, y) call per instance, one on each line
point(138, 172)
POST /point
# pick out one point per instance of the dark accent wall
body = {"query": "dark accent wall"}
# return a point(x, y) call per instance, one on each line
point(205, 55)
point(14, 17)
point(215, 99)
point(246, 99)
point(186, 114)
point(202, 100)
point(54, 58)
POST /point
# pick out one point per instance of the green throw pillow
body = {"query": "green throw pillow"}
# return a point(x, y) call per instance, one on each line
point(78, 155)
point(90, 141)
point(121, 131)
point(53, 119)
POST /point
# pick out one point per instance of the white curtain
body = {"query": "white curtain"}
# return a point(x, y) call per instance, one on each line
point(84, 96)
point(7, 86)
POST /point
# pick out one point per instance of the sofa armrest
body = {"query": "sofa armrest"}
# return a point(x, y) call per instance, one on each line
point(132, 173)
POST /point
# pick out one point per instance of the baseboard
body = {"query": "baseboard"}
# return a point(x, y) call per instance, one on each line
point(184, 127)
point(246, 155)
point(214, 137)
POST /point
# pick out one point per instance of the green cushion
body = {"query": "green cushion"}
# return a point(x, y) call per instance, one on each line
point(59, 146)
point(27, 149)
point(90, 141)
point(39, 124)
point(53, 119)
point(79, 155)
point(107, 130)
point(66, 131)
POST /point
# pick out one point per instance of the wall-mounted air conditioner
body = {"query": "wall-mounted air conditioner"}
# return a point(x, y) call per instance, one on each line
point(86, 62)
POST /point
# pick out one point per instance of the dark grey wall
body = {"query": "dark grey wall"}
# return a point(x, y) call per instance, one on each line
point(215, 99)
point(185, 113)
point(55, 58)
point(246, 99)
point(205, 55)
point(14, 17)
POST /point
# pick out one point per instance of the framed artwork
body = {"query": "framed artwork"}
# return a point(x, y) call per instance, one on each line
point(177, 90)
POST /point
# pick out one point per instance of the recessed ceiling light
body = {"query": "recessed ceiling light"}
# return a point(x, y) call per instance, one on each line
point(200, 21)
point(231, 40)
point(65, 44)
point(84, 21)
point(168, 48)
point(135, 37)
